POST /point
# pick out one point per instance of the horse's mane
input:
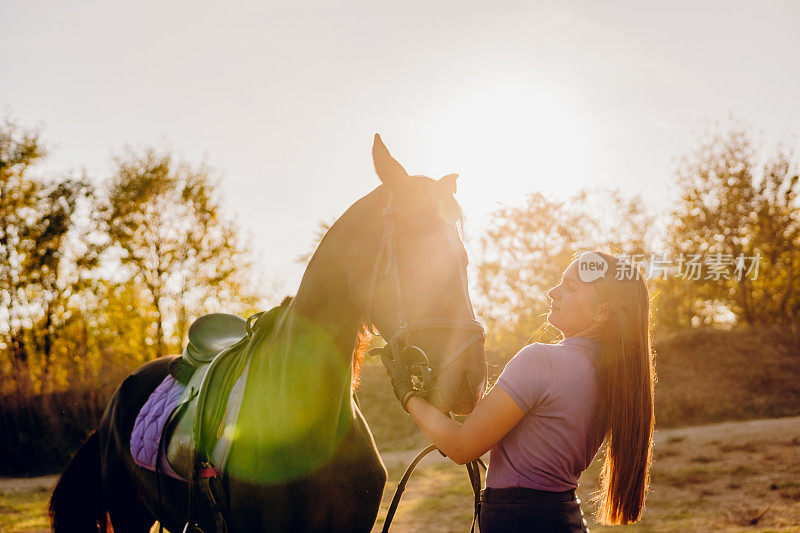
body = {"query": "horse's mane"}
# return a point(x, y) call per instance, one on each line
point(363, 342)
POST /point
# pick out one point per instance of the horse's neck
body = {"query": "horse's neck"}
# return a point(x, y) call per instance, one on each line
point(310, 351)
point(321, 327)
point(324, 298)
point(297, 395)
point(298, 392)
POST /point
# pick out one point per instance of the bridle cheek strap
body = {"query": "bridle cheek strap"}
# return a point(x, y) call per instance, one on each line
point(401, 338)
point(386, 248)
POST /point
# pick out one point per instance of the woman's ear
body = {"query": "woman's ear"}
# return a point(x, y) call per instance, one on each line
point(601, 312)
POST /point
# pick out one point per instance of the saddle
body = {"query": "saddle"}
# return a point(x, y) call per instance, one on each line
point(214, 369)
point(212, 333)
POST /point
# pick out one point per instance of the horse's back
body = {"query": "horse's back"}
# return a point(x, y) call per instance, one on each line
point(131, 491)
point(343, 495)
point(131, 395)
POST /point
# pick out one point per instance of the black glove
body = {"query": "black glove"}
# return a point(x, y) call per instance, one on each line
point(398, 374)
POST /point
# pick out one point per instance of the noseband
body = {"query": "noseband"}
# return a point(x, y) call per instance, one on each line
point(414, 357)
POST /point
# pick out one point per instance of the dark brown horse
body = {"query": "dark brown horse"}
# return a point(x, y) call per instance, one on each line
point(303, 457)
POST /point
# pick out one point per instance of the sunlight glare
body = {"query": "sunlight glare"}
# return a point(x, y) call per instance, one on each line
point(513, 139)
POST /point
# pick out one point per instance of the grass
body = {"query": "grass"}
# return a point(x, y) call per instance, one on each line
point(703, 479)
point(24, 511)
point(731, 489)
point(734, 491)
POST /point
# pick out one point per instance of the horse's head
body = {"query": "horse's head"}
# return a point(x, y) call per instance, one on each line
point(411, 268)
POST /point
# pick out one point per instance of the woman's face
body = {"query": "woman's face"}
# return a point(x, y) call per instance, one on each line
point(572, 307)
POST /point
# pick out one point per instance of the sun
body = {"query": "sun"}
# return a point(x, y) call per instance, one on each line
point(512, 138)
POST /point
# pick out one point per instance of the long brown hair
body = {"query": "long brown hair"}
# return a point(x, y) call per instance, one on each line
point(626, 380)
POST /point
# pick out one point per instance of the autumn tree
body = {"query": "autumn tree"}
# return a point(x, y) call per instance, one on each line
point(37, 272)
point(164, 227)
point(527, 247)
point(733, 209)
point(95, 282)
point(39, 281)
point(19, 194)
point(55, 261)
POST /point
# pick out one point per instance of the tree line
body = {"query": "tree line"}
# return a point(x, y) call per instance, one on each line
point(98, 276)
point(727, 254)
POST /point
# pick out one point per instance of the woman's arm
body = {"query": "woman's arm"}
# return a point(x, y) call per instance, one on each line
point(494, 416)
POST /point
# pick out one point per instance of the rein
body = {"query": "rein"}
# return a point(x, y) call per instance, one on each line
point(473, 470)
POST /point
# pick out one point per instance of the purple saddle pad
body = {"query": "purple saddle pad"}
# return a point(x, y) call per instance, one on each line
point(150, 424)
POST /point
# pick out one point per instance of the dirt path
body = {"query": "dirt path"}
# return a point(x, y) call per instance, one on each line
point(777, 428)
point(25, 484)
point(729, 432)
point(732, 476)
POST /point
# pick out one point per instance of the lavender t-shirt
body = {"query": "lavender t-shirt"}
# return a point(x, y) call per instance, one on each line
point(555, 384)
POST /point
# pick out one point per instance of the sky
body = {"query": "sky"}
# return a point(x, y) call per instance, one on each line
point(284, 98)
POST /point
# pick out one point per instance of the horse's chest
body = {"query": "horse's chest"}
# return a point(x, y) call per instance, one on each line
point(343, 495)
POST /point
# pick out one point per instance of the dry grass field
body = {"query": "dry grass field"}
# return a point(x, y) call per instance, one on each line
point(734, 476)
point(740, 475)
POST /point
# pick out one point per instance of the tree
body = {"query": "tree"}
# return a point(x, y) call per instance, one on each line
point(37, 275)
point(54, 262)
point(19, 194)
point(163, 225)
point(526, 248)
point(730, 208)
point(38, 280)
point(92, 284)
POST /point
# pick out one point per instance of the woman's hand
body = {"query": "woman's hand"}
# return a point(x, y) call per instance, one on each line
point(399, 376)
point(494, 416)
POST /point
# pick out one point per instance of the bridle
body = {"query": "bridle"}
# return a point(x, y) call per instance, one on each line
point(414, 357)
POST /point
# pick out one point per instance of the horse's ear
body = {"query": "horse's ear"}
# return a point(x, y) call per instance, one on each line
point(388, 169)
point(448, 183)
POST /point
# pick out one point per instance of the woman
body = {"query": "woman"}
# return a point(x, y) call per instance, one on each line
point(553, 405)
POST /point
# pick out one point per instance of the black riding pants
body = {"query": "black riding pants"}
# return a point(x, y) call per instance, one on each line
point(518, 509)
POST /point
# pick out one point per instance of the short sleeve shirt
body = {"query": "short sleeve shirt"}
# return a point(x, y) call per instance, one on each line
point(554, 442)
